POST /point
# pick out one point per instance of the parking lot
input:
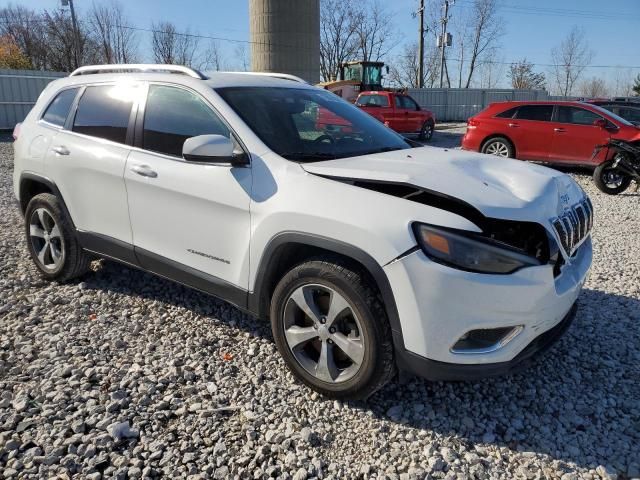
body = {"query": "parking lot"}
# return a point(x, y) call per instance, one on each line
point(123, 373)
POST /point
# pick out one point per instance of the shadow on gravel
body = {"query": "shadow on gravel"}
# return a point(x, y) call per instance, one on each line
point(577, 403)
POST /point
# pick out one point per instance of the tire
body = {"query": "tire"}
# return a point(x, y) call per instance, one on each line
point(51, 240)
point(603, 180)
point(362, 328)
point(426, 132)
point(500, 147)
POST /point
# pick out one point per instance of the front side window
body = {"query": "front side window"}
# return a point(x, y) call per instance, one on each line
point(373, 101)
point(577, 116)
point(104, 111)
point(540, 113)
point(307, 125)
point(58, 110)
point(173, 115)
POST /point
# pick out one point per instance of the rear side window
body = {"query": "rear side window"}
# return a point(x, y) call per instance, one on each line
point(508, 113)
point(630, 113)
point(373, 101)
point(58, 110)
point(103, 112)
point(540, 113)
point(172, 115)
point(577, 116)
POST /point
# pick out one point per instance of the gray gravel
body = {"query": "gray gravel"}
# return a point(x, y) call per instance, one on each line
point(127, 375)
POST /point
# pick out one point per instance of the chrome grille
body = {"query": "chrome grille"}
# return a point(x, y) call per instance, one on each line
point(574, 225)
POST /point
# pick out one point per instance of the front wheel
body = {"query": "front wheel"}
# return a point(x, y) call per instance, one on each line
point(331, 328)
point(610, 180)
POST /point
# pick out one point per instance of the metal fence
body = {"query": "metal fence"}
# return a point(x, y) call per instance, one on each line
point(458, 104)
point(19, 90)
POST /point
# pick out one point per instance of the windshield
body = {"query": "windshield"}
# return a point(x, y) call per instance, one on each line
point(617, 118)
point(308, 125)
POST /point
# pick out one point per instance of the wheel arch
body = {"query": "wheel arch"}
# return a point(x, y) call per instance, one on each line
point(499, 135)
point(32, 184)
point(288, 249)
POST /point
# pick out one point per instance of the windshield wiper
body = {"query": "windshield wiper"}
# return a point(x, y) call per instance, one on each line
point(309, 156)
point(381, 150)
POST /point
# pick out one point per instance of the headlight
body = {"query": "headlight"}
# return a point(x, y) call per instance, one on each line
point(470, 252)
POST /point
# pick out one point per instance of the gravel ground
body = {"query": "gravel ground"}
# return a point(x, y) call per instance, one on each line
point(127, 375)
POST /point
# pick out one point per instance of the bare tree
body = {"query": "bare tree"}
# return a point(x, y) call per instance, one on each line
point(118, 42)
point(65, 50)
point(172, 47)
point(636, 86)
point(570, 59)
point(241, 54)
point(484, 30)
point(338, 35)
point(374, 32)
point(406, 72)
point(523, 76)
point(213, 58)
point(26, 29)
point(622, 82)
point(594, 87)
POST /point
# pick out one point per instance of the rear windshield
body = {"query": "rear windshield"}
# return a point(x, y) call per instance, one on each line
point(307, 125)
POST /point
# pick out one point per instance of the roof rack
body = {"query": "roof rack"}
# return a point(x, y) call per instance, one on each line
point(137, 67)
point(283, 76)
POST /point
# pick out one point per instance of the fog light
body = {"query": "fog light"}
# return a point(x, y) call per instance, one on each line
point(485, 340)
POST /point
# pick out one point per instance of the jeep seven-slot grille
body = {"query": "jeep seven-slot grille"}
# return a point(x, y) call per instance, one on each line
point(574, 225)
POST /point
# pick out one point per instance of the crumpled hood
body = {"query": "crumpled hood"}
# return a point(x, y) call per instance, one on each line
point(497, 187)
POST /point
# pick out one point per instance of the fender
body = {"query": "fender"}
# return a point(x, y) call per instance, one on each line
point(50, 184)
point(268, 261)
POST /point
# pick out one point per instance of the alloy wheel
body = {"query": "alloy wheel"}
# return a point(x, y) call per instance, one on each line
point(497, 148)
point(46, 239)
point(324, 333)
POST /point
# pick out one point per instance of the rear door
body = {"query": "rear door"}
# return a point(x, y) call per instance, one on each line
point(87, 158)
point(531, 131)
point(575, 136)
point(375, 104)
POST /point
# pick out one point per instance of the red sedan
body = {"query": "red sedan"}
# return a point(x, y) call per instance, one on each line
point(553, 132)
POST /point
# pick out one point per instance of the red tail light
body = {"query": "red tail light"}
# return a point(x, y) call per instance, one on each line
point(16, 131)
point(472, 123)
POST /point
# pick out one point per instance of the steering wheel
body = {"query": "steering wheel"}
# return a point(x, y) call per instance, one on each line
point(323, 138)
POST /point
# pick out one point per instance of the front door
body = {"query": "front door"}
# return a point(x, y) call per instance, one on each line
point(192, 218)
point(575, 136)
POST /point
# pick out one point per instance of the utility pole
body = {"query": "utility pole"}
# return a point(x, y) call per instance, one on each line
point(421, 48)
point(443, 40)
point(76, 32)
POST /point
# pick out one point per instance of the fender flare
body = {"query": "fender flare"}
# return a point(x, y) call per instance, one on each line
point(267, 262)
point(50, 184)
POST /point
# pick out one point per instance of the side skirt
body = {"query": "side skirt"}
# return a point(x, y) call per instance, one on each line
point(129, 255)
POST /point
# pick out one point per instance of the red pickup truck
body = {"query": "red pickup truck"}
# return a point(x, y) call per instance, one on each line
point(398, 111)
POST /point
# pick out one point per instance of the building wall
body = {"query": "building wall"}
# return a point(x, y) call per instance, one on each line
point(285, 36)
point(19, 90)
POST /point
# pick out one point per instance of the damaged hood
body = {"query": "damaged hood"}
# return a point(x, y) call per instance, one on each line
point(497, 187)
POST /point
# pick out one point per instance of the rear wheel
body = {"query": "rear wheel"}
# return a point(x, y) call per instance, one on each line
point(426, 132)
point(500, 147)
point(332, 330)
point(51, 240)
point(610, 180)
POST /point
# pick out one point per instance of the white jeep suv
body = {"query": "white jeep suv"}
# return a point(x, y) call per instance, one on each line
point(368, 253)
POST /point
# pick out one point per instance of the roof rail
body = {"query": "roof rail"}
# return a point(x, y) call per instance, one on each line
point(283, 76)
point(137, 67)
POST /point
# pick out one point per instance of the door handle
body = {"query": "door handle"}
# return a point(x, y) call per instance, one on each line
point(559, 130)
point(144, 171)
point(61, 150)
point(514, 125)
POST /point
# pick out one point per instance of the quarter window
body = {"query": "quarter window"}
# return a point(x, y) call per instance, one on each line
point(508, 113)
point(173, 115)
point(58, 110)
point(577, 116)
point(103, 112)
point(540, 113)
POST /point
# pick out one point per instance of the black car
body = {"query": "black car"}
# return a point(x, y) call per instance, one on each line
point(627, 108)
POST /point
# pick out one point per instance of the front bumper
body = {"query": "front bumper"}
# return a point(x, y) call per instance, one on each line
point(437, 305)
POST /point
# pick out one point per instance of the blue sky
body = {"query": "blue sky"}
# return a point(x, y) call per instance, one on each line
point(533, 27)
